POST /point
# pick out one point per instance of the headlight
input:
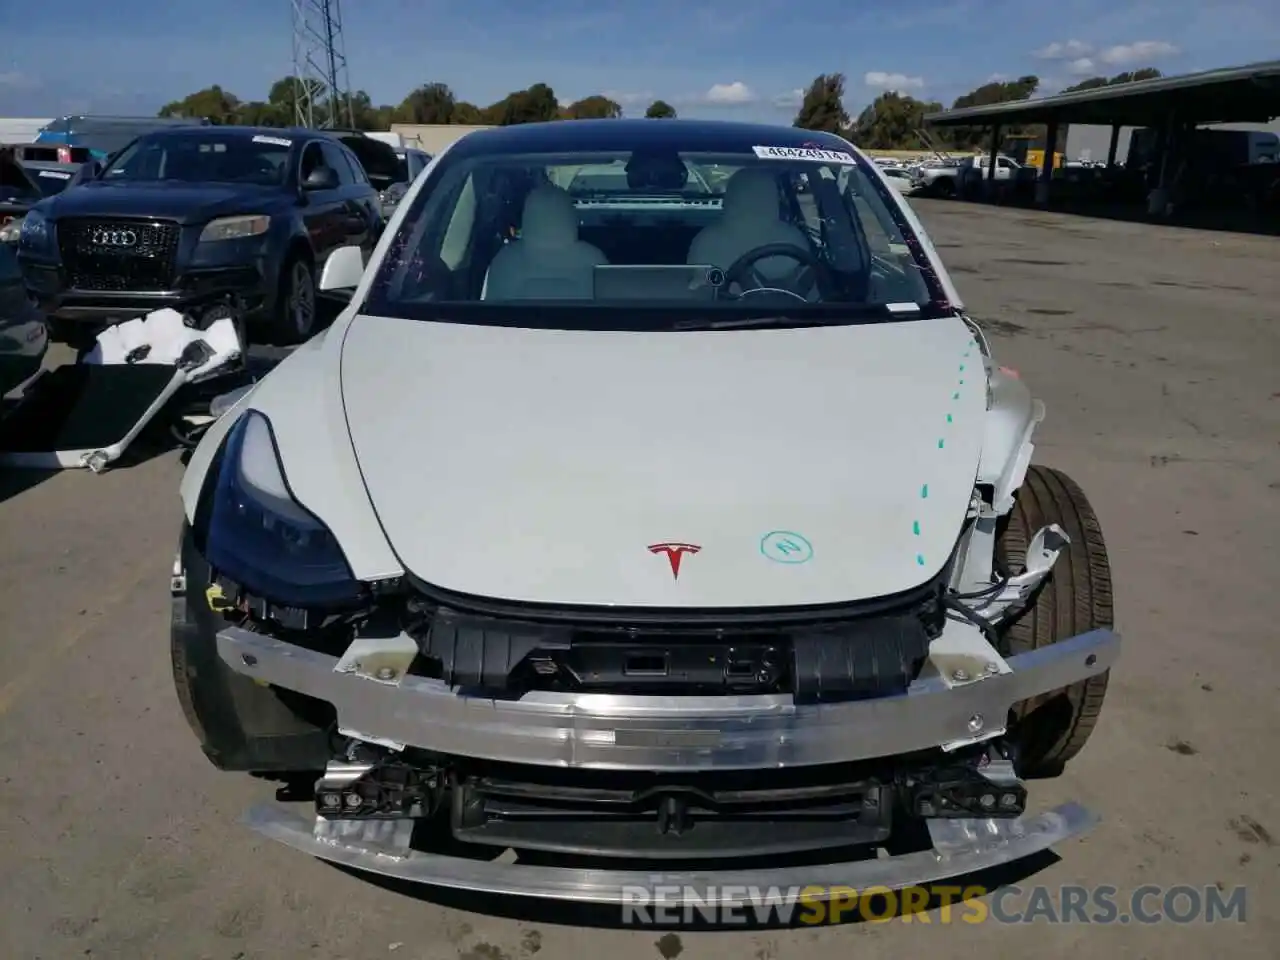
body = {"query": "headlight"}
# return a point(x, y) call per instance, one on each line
point(235, 228)
point(262, 538)
point(34, 231)
point(11, 231)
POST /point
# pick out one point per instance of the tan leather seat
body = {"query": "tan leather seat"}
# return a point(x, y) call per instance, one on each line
point(750, 219)
point(548, 262)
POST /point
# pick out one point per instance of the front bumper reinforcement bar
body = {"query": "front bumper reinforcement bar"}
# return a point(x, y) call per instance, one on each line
point(960, 848)
point(673, 733)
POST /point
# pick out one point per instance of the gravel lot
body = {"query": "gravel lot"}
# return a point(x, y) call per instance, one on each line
point(1155, 350)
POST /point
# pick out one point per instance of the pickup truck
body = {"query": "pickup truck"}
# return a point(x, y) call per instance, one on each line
point(945, 177)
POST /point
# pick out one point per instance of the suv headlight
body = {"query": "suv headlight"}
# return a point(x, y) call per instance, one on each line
point(262, 538)
point(34, 231)
point(235, 228)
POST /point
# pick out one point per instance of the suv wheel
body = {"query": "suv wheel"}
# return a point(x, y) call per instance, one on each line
point(295, 316)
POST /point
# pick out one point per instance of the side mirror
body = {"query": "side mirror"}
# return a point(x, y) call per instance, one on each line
point(342, 272)
point(321, 178)
point(89, 170)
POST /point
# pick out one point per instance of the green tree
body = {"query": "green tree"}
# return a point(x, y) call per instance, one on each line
point(1128, 76)
point(1092, 83)
point(259, 113)
point(364, 114)
point(283, 98)
point(999, 91)
point(892, 122)
point(1132, 76)
point(468, 113)
point(596, 107)
point(429, 103)
point(536, 104)
point(660, 110)
point(823, 105)
point(214, 103)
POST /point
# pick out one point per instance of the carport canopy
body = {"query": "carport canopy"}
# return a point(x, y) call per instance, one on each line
point(1230, 95)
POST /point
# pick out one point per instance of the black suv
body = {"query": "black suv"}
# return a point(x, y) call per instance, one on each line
point(187, 213)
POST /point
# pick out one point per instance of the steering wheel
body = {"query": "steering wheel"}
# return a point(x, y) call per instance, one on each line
point(808, 270)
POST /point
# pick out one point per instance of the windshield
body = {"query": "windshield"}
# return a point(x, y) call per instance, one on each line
point(203, 158)
point(690, 238)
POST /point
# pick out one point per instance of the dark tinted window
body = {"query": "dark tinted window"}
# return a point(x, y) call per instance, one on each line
point(378, 159)
point(312, 157)
point(356, 170)
point(336, 157)
point(208, 157)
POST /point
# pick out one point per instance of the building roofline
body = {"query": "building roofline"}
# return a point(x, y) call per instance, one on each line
point(1044, 107)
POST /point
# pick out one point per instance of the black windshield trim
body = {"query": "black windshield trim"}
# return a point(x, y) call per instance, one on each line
point(647, 318)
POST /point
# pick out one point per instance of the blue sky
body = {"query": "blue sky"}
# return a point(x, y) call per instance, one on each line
point(709, 57)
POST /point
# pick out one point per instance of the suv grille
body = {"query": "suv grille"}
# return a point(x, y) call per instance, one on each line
point(118, 255)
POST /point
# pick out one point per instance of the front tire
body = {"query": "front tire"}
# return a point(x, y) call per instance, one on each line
point(294, 319)
point(1053, 728)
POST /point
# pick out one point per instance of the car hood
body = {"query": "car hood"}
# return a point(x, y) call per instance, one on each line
point(806, 466)
point(187, 203)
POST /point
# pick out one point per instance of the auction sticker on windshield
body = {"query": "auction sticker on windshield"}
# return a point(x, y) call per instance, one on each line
point(805, 153)
point(274, 141)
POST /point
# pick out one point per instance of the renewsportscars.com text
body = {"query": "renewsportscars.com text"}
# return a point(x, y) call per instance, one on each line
point(938, 903)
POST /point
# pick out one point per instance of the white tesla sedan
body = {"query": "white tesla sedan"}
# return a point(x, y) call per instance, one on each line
point(676, 514)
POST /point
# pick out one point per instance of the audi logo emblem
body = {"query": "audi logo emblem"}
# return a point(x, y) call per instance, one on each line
point(114, 238)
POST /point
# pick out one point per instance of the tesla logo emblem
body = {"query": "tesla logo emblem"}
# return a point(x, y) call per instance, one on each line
point(675, 552)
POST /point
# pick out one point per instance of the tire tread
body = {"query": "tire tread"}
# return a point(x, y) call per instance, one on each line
point(1075, 599)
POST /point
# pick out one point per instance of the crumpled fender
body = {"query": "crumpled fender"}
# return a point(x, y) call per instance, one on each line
point(1011, 420)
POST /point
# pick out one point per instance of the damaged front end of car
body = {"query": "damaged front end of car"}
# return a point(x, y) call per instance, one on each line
point(719, 747)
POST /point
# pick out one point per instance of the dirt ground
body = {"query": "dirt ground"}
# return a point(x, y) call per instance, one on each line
point(1156, 351)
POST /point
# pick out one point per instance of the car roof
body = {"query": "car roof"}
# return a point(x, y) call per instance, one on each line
point(289, 133)
point(586, 136)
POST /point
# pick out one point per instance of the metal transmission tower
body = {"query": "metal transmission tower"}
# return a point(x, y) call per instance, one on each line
point(320, 65)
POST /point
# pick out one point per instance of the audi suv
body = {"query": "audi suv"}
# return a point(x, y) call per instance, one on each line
point(191, 212)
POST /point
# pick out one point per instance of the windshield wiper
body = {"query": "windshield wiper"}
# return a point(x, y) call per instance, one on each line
point(778, 321)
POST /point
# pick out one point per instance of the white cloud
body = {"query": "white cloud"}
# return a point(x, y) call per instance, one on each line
point(1081, 67)
point(790, 99)
point(1066, 50)
point(997, 78)
point(729, 94)
point(899, 82)
point(1140, 53)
